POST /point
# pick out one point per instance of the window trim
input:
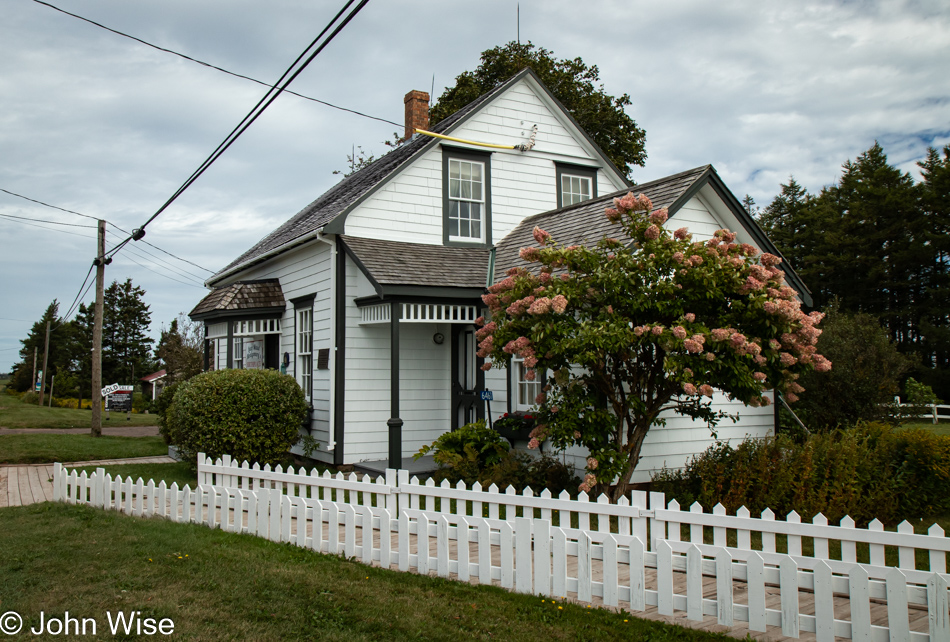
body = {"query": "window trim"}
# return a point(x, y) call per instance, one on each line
point(582, 171)
point(303, 354)
point(516, 383)
point(456, 153)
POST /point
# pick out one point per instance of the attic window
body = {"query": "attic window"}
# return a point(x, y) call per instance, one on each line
point(575, 184)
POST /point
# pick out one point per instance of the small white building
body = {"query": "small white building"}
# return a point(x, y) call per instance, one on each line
point(368, 295)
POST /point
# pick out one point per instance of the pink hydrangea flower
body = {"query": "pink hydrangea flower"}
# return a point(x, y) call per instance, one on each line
point(592, 463)
point(529, 254)
point(759, 376)
point(690, 317)
point(693, 346)
point(652, 232)
point(577, 435)
point(769, 260)
point(689, 389)
point(695, 260)
point(710, 356)
point(613, 215)
point(678, 257)
point(533, 444)
point(681, 234)
point(659, 217)
point(559, 304)
point(720, 334)
point(706, 390)
point(657, 330)
point(540, 236)
point(679, 332)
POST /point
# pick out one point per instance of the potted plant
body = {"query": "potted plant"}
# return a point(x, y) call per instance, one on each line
point(515, 426)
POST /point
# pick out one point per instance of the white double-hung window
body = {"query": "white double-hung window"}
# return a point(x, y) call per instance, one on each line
point(466, 200)
point(305, 349)
point(466, 177)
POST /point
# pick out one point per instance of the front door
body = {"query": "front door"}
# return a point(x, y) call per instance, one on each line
point(468, 379)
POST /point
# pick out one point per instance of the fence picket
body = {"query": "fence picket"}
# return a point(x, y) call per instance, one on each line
point(939, 608)
point(938, 559)
point(820, 543)
point(523, 578)
point(462, 538)
point(755, 569)
point(422, 545)
point(542, 557)
point(507, 556)
point(724, 602)
point(824, 603)
point(349, 531)
point(905, 555)
point(849, 551)
point(743, 535)
point(442, 545)
point(860, 603)
point(611, 579)
point(385, 537)
point(583, 568)
point(637, 577)
point(484, 553)
point(694, 584)
point(897, 619)
point(664, 577)
point(788, 581)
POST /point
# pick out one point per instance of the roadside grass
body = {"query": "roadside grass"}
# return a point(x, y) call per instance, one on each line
point(38, 448)
point(14, 413)
point(222, 586)
point(179, 472)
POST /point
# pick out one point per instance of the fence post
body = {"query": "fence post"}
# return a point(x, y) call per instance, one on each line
point(938, 608)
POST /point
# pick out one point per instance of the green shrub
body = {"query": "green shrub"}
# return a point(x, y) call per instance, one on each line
point(474, 453)
point(867, 472)
point(473, 443)
point(252, 415)
point(160, 408)
point(30, 397)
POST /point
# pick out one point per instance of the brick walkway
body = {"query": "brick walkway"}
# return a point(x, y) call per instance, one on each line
point(32, 483)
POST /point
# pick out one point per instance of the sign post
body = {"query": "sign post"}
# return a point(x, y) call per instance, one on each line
point(488, 397)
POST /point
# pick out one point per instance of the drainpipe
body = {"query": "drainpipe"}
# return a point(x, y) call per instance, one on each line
point(331, 445)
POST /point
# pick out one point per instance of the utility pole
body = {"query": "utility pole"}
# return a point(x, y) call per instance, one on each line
point(43, 371)
point(96, 403)
point(33, 380)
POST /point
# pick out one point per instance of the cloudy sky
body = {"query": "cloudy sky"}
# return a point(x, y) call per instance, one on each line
point(102, 125)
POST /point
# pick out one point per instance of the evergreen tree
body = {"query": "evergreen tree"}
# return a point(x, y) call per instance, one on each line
point(572, 82)
point(58, 338)
point(126, 348)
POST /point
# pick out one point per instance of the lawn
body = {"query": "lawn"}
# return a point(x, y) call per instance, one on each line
point(179, 472)
point(222, 586)
point(35, 448)
point(16, 414)
point(942, 428)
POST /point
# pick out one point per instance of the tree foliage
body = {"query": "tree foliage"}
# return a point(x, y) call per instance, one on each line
point(572, 82)
point(179, 349)
point(867, 374)
point(624, 331)
point(126, 346)
point(57, 361)
point(880, 244)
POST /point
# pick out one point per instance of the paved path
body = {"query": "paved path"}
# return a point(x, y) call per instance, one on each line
point(109, 431)
point(25, 484)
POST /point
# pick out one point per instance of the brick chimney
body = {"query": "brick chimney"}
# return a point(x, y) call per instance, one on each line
point(417, 112)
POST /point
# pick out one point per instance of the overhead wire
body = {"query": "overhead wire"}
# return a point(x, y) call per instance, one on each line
point(37, 220)
point(51, 229)
point(266, 101)
point(210, 66)
point(160, 264)
point(33, 200)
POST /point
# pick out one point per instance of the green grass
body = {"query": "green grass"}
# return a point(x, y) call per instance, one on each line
point(35, 448)
point(179, 472)
point(222, 586)
point(938, 429)
point(17, 414)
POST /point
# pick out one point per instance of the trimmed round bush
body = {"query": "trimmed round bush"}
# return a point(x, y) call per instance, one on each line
point(252, 415)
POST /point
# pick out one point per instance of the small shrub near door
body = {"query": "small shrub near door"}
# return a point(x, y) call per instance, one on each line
point(867, 472)
point(248, 414)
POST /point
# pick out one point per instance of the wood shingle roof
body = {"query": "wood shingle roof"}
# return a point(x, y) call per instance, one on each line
point(260, 295)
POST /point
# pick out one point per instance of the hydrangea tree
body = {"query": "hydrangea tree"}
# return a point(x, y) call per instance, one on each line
point(626, 330)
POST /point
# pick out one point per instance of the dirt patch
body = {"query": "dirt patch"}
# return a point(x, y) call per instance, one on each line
point(109, 431)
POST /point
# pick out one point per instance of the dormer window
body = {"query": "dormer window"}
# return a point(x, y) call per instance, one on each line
point(575, 184)
point(466, 197)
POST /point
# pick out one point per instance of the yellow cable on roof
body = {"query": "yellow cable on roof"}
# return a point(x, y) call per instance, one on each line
point(522, 147)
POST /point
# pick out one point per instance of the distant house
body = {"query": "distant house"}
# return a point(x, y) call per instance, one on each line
point(368, 295)
point(153, 384)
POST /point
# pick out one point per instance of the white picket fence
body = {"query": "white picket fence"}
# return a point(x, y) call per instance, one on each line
point(623, 555)
point(935, 413)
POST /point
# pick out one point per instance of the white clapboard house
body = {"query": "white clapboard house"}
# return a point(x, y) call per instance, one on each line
point(368, 295)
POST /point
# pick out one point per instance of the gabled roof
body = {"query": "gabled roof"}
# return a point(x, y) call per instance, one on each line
point(262, 295)
point(393, 263)
point(330, 209)
point(152, 377)
point(585, 223)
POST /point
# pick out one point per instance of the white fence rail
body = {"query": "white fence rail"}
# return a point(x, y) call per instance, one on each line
point(935, 412)
point(625, 555)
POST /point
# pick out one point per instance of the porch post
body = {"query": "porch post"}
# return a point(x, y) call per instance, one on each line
point(394, 423)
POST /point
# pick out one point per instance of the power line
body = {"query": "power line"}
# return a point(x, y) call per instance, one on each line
point(51, 229)
point(165, 251)
point(266, 101)
point(37, 220)
point(160, 266)
point(210, 66)
point(129, 257)
point(33, 200)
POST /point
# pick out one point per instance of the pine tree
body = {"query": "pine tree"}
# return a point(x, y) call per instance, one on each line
point(23, 370)
point(180, 350)
point(935, 273)
point(126, 346)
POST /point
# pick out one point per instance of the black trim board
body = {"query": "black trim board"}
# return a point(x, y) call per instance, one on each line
point(303, 301)
point(339, 358)
point(369, 275)
point(450, 152)
point(244, 314)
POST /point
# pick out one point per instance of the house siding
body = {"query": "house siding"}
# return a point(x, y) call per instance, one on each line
point(409, 207)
